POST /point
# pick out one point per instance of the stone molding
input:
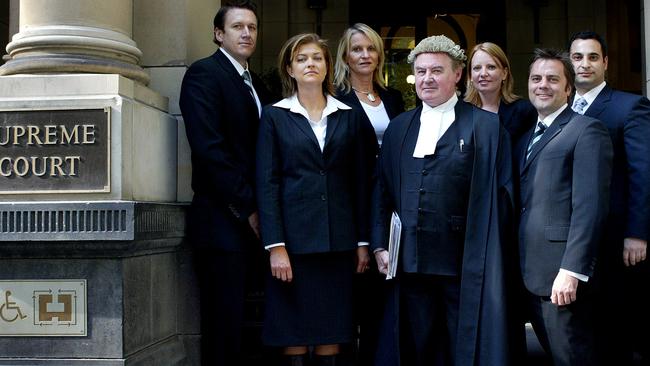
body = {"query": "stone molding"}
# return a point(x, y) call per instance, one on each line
point(73, 49)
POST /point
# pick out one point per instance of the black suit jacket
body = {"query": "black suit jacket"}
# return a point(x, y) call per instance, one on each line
point(627, 117)
point(221, 121)
point(314, 201)
point(564, 199)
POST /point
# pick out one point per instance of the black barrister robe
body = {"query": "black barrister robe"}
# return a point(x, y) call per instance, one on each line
point(486, 332)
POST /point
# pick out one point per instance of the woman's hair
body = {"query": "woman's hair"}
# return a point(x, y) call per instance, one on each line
point(342, 72)
point(287, 54)
point(507, 94)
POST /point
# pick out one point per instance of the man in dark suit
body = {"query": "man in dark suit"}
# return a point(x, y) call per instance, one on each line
point(445, 169)
point(221, 103)
point(623, 269)
point(565, 170)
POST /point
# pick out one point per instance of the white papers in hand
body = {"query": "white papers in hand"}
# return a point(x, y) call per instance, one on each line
point(393, 245)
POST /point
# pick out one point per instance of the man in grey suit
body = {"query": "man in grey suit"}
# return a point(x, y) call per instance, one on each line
point(565, 168)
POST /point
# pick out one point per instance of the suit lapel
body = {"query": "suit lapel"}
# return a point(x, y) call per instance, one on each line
point(235, 78)
point(521, 152)
point(397, 158)
point(305, 127)
point(332, 124)
point(600, 103)
point(553, 130)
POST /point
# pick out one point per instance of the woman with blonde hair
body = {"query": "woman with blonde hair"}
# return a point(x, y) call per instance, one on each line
point(359, 84)
point(490, 86)
point(358, 77)
point(314, 164)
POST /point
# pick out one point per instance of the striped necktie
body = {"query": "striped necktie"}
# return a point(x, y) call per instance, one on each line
point(541, 127)
point(249, 82)
point(579, 105)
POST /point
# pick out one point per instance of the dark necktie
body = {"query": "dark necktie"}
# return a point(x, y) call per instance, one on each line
point(249, 82)
point(536, 137)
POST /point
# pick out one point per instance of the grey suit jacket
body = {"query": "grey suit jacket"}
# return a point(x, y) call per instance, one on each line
point(564, 199)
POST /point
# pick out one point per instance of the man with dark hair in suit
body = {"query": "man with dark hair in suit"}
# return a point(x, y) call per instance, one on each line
point(221, 102)
point(565, 170)
point(623, 270)
point(445, 168)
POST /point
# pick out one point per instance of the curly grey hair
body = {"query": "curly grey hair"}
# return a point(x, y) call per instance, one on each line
point(435, 44)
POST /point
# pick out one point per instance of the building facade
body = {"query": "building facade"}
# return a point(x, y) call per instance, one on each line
point(95, 167)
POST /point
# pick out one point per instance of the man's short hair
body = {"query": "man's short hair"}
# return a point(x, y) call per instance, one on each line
point(557, 55)
point(589, 35)
point(439, 44)
point(220, 19)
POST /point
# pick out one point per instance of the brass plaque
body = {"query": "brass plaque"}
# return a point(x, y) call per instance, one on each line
point(50, 151)
point(43, 308)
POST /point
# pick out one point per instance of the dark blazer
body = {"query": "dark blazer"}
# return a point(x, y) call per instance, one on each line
point(392, 99)
point(310, 200)
point(627, 117)
point(564, 199)
point(221, 121)
point(517, 117)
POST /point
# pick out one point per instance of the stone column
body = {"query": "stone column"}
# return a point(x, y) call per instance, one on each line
point(75, 36)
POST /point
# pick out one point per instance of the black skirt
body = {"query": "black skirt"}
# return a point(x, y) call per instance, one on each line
point(316, 306)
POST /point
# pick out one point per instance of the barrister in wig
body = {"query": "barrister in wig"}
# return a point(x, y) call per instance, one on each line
point(445, 169)
point(314, 164)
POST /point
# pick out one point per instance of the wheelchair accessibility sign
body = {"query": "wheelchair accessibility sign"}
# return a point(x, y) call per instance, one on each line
point(43, 308)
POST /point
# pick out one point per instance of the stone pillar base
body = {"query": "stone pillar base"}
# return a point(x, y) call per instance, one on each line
point(141, 301)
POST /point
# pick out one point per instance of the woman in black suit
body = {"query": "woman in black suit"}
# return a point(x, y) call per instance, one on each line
point(314, 163)
point(358, 77)
point(490, 87)
point(359, 83)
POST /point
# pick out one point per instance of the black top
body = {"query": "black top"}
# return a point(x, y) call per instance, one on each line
point(517, 117)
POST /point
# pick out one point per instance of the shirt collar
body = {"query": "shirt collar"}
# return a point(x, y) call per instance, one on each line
point(240, 69)
point(442, 108)
point(551, 117)
point(293, 105)
point(591, 95)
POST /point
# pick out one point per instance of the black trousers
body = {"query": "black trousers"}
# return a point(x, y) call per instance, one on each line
point(428, 319)
point(222, 279)
point(369, 295)
point(622, 312)
point(565, 332)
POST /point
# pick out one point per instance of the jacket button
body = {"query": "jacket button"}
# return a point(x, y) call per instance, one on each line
point(322, 197)
point(523, 209)
point(322, 172)
point(424, 172)
point(422, 191)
